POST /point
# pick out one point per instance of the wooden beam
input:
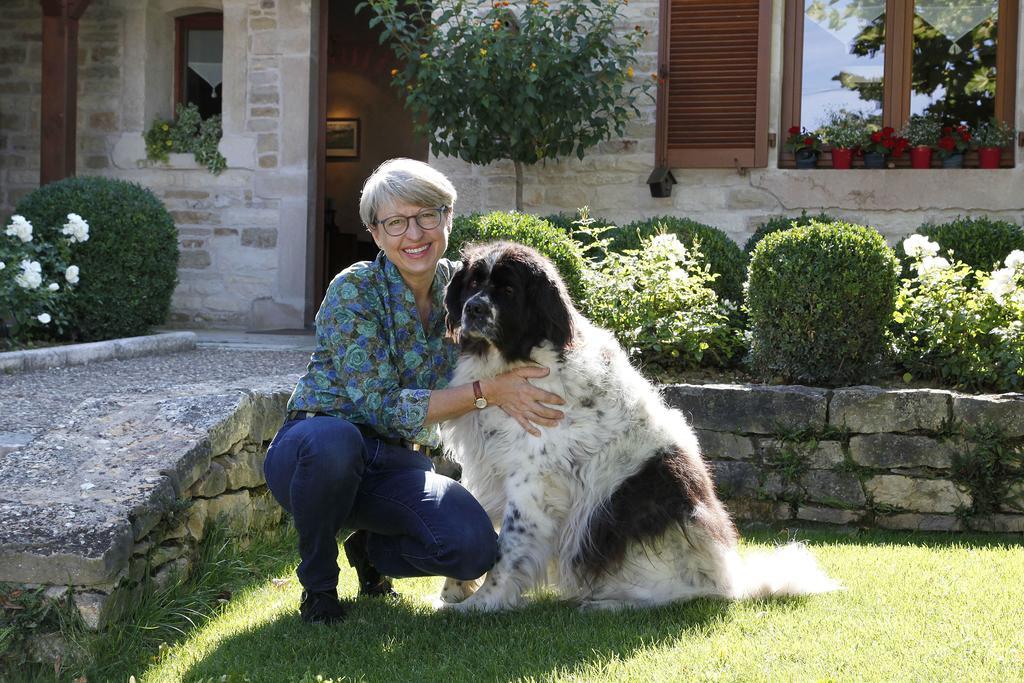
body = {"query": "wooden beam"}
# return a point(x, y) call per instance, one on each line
point(59, 105)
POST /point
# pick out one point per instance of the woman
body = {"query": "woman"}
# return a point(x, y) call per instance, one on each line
point(353, 451)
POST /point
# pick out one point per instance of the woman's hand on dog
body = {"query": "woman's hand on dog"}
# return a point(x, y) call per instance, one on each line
point(525, 403)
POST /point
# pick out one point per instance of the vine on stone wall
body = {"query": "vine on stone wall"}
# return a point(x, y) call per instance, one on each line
point(187, 133)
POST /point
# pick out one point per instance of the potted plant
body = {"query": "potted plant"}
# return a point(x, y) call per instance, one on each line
point(805, 145)
point(990, 137)
point(880, 144)
point(922, 133)
point(843, 131)
point(954, 141)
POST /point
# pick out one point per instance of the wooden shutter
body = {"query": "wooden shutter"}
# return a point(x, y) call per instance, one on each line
point(713, 83)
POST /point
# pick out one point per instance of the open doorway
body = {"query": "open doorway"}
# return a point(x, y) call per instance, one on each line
point(365, 124)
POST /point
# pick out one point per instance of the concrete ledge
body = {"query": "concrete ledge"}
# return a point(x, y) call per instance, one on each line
point(92, 352)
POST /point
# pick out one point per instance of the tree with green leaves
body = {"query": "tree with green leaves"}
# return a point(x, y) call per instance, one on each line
point(486, 81)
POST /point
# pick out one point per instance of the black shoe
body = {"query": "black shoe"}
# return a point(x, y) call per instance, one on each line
point(321, 607)
point(371, 581)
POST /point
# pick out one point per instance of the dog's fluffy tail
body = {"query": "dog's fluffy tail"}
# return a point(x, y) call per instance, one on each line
point(787, 570)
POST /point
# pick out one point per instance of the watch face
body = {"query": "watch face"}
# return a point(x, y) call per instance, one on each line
point(481, 403)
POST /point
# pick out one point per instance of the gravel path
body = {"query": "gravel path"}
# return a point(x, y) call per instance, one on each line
point(31, 401)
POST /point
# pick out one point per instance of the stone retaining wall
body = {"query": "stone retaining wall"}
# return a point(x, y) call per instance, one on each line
point(894, 459)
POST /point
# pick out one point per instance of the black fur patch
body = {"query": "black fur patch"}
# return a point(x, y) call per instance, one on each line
point(663, 494)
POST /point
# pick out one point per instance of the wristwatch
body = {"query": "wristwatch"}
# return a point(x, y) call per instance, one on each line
point(480, 401)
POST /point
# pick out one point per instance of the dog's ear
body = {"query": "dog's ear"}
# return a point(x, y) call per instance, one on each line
point(453, 298)
point(553, 309)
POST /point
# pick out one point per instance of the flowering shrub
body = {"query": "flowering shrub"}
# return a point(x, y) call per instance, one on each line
point(843, 129)
point(922, 131)
point(129, 263)
point(979, 242)
point(659, 303)
point(954, 140)
point(993, 133)
point(884, 141)
point(802, 139)
point(36, 276)
point(946, 329)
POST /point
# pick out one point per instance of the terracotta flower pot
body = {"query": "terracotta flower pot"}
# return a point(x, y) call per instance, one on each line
point(921, 156)
point(842, 157)
point(988, 157)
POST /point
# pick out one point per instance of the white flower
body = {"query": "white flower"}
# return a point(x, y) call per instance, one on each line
point(20, 228)
point(53, 287)
point(1015, 259)
point(2, 265)
point(71, 275)
point(44, 318)
point(76, 228)
point(931, 264)
point(670, 244)
point(1001, 284)
point(31, 275)
point(918, 246)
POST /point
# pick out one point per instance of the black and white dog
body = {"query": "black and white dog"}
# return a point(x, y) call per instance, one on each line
point(615, 506)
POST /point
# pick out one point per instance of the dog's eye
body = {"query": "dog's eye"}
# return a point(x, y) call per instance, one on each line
point(509, 290)
point(473, 283)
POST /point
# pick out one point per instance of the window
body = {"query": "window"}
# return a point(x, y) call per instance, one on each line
point(199, 61)
point(713, 80)
point(889, 59)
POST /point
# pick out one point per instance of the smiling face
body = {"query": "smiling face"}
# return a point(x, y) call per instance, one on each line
point(416, 252)
point(509, 297)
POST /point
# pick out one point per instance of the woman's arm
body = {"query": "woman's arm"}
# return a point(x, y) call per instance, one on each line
point(511, 391)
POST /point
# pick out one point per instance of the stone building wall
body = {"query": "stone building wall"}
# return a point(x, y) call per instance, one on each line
point(244, 234)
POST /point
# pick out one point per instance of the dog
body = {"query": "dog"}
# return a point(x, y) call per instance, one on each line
point(615, 507)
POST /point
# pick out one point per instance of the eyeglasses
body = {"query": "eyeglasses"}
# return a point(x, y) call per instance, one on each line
point(427, 219)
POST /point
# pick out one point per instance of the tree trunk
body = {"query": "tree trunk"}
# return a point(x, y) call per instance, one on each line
point(519, 185)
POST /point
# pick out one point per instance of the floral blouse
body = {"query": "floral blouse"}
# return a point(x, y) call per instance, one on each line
point(373, 363)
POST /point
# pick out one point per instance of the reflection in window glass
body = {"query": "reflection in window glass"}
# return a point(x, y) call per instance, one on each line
point(843, 61)
point(954, 63)
point(204, 69)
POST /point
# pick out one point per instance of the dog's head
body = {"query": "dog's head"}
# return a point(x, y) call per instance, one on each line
point(509, 297)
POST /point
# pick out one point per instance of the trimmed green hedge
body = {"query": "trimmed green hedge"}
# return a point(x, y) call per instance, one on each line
point(526, 229)
point(129, 265)
point(820, 299)
point(979, 242)
point(779, 223)
point(722, 254)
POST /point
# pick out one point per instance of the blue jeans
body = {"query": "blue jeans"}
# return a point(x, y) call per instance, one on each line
point(330, 477)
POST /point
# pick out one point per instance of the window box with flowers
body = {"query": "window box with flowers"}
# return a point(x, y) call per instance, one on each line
point(805, 145)
point(843, 131)
point(880, 145)
point(922, 134)
point(990, 138)
point(954, 141)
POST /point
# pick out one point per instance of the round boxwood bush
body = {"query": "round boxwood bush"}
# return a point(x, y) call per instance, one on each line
point(979, 242)
point(129, 265)
point(820, 299)
point(526, 229)
point(778, 223)
point(722, 255)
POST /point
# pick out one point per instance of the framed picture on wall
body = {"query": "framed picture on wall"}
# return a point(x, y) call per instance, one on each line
point(342, 138)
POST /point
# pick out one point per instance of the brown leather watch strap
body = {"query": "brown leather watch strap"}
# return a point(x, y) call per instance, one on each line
point(478, 393)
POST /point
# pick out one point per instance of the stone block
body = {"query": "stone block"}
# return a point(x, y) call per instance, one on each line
point(918, 495)
point(213, 483)
point(917, 522)
point(163, 554)
point(828, 486)
point(724, 445)
point(1015, 496)
point(828, 515)
point(266, 513)
point(872, 409)
point(1005, 411)
point(93, 608)
point(749, 408)
point(886, 451)
point(268, 161)
point(234, 510)
point(1003, 524)
point(195, 522)
point(735, 479)
point(756, 510)
point(244, 470)
point(103, 120)
point(259, 238)
point(174, 571)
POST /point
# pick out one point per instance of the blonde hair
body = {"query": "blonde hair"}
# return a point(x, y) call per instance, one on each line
point(404, 180)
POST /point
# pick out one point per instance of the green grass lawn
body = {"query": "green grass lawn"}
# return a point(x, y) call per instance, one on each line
point(916, 608)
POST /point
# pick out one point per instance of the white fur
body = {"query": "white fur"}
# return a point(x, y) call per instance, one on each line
point(542, 491)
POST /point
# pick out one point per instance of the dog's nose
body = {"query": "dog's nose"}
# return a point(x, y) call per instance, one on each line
point(476, 308)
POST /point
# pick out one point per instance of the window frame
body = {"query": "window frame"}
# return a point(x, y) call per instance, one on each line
point(899, 47)
point(208, 21)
